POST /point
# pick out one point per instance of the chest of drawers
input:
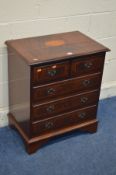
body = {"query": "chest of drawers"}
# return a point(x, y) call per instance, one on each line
point(54, 85)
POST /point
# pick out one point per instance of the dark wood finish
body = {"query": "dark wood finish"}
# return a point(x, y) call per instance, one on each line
point(61, 121)
point(37, 50)
point(44, 74)
point(32, 144)
point(19, 86)
point(67, 104)
point(90, 128)
point(54, 85)
point(89, 65)
point(63, 88)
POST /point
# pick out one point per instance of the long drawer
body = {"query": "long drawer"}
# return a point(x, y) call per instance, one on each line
point(47, 110)
point(65, 120)
point(66, 87)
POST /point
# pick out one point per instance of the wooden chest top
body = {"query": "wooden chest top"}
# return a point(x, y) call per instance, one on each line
point(42, 49)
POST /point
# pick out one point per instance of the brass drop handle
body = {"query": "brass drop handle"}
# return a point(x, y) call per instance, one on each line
point(82, 115)
point(51, 91)
point(86, 82)
point(84, 99)
point(52, 72)
point(88, 65)
point(50, 108)
point(49, 125)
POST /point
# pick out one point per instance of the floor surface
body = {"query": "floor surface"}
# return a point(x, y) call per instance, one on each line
point(72, 154)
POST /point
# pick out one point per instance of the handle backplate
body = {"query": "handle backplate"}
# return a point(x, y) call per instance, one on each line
point(84, 99)
point(52, 72)
point(88, 65)
point(49, 125)
point(82, 115)
point(86, 82)
point(51, 91)
point(50, 109)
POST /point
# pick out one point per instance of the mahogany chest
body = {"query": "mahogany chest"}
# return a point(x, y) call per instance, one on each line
point(54, 85)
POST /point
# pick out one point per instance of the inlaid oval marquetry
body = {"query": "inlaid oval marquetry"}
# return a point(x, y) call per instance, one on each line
point(54, 43)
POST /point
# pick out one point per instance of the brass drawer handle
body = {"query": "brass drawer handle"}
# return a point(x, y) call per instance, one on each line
point(86, 82)
point(84, 99)
point(50, 109)
point(88, 65)
point(51, 91)
point(52, 72)
point(82, 115)
point(49, 125)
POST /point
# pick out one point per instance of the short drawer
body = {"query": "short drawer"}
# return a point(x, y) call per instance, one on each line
point(66, 87)
point(47, 110)
point(65, 120)
point(87, 65)
point(49, 73)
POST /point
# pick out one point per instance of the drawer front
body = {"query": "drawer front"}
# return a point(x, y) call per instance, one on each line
point(62, 121)
point(64, 105)
point(63, 88)
point(88, 65)
point(44, 74)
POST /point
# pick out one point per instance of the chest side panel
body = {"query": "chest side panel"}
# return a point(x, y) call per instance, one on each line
point(19, 87)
